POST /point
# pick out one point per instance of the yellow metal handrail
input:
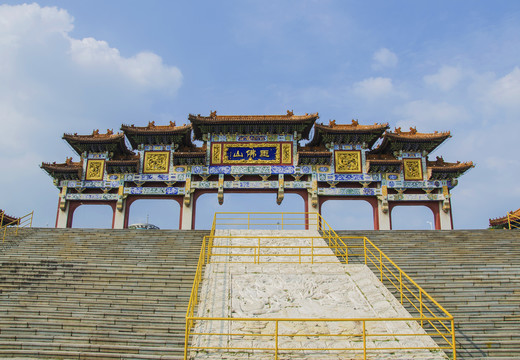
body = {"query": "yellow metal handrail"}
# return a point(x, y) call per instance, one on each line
point(513, 221)
point(22, 222)
point(433, 318)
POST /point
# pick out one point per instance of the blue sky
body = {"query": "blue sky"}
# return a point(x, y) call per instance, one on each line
point(75, 66)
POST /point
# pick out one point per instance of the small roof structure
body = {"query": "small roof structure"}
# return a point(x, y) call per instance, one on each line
point(353, 133)
point(383, 163)
point(127, 164)
point(68, 170)
point(504, 220)
point(158, 134)
point(252, 124)
point(96, 142)
point(410, 141)
point(6, 219)
point(441, 170)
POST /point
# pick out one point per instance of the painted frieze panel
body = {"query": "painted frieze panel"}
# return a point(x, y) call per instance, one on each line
point(413, 169)
point(254, 153)
point(97, 155)
point(415, 197)
point(324, 169)
point(154, 190)
point(347, 161)
point(156, 162)
point(95, 169)
point(348, 191)
point(157, 147)
point(282, 170)
point(250, 170)
point(91, 197)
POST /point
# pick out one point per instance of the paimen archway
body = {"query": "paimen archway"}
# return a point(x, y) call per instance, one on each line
point(257, 153)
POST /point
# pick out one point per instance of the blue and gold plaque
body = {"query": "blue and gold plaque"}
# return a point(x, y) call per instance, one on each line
point(264, 153)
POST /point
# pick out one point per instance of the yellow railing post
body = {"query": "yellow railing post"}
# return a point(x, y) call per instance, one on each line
point(365, 249)
point(509, 221)
point(381, 264)
point(453, 344)
point(276, 341)
point(401, 285)
point(421, 306)
point(186, 338)
point(364, 341)
point(2, 218)
point(32, 214)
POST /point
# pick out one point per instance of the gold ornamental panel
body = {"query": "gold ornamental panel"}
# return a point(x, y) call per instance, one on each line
point(413, 169)
point(95, 169)
point(348, 161)
point(156, 162)
point(287, 153)
point(216, 153)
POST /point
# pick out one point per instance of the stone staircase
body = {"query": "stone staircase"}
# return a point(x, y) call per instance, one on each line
point(474, 274)
point(122, 294)
point(96, 294)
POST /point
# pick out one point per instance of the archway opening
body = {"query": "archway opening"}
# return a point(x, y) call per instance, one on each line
point(412, 218)
point(348, 214)
point(207, 205)
point(93, 217)
point(163, 213)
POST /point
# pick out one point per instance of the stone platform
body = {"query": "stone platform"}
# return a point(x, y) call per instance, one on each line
point(295, 290)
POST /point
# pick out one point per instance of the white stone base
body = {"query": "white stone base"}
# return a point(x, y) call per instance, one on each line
point(300, 291)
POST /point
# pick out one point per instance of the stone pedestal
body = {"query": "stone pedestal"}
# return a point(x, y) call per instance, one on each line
point(384, 222)
point(187, 215)
point(445, 218)
point(119, 218)
point(62, 217)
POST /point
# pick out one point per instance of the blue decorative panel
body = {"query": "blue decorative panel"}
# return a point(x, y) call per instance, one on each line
point(251, 138)
point(219, 169)
point(392, 177)
point(282, 170)
point(348, 177)
point(369, 191)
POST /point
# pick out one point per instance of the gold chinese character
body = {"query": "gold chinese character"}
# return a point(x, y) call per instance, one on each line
point(264, 153)
point(251, 153)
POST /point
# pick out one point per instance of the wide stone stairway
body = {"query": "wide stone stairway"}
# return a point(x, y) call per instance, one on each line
point(122, 294)
point(87, 294)
point(474, 274)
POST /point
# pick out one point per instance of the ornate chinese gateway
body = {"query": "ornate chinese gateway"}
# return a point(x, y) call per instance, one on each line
point(257, 153)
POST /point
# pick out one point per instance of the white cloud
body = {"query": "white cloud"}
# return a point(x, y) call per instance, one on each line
point(145, 69)
point(445, 79)
point(430, 116)
point(373, 87)
point(505, 92)
point(51, 83)
point(384, 58)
